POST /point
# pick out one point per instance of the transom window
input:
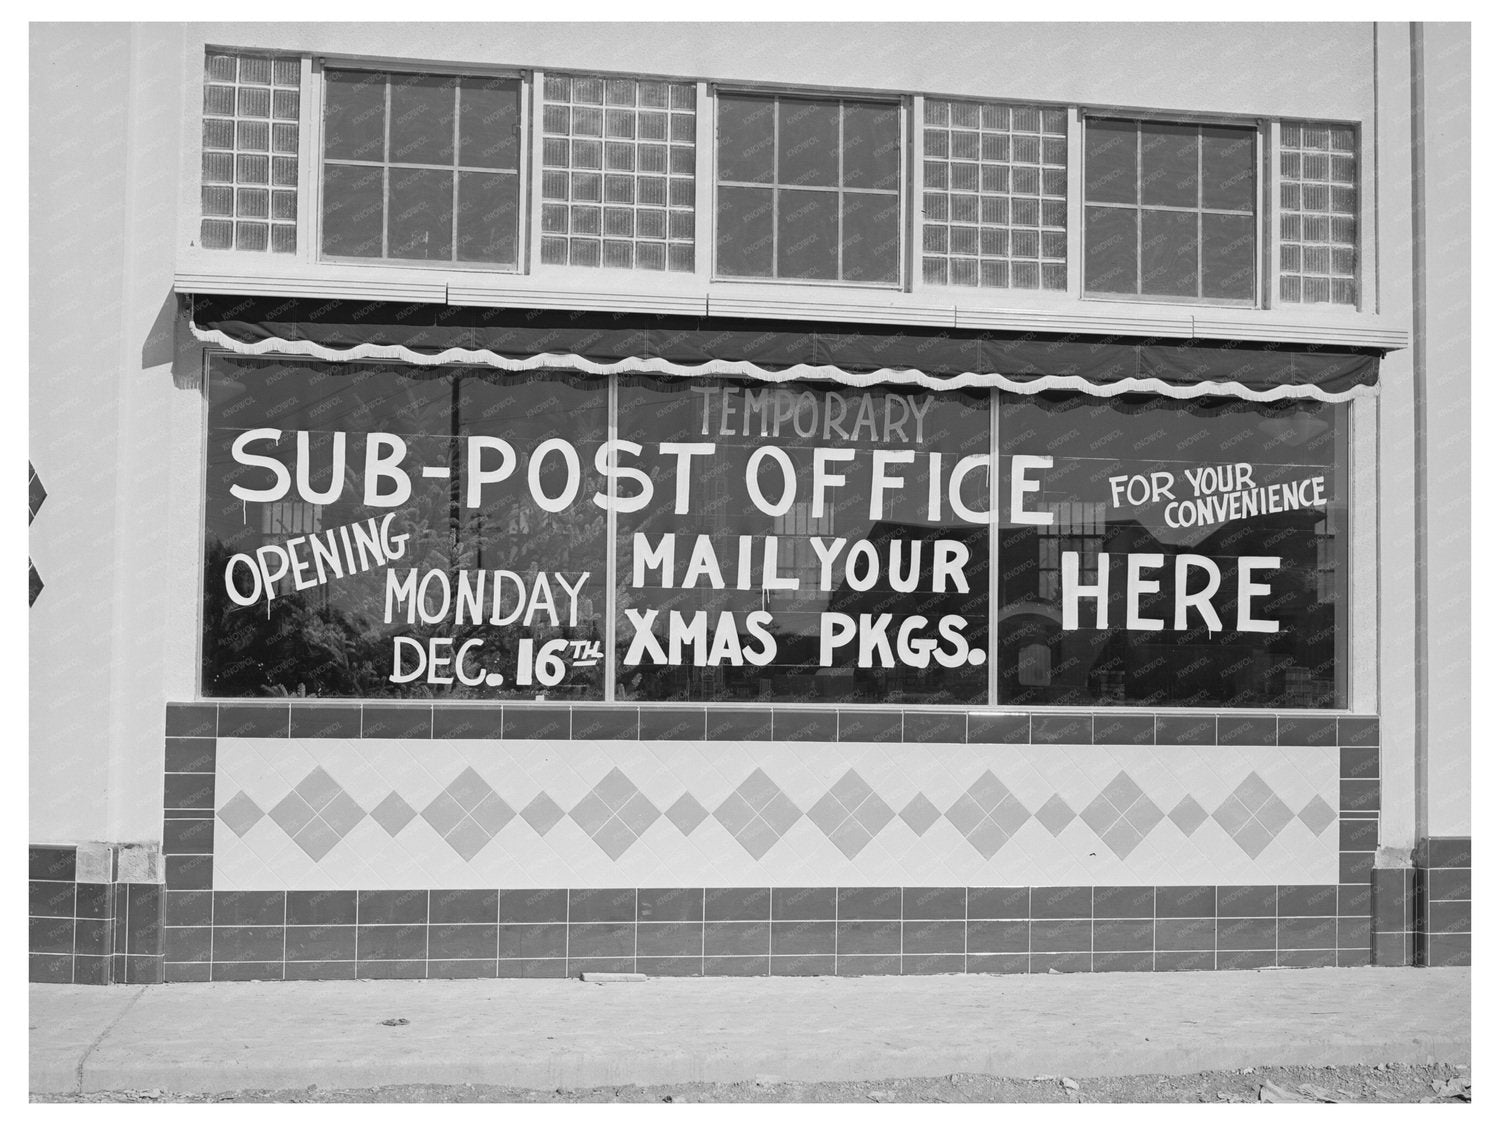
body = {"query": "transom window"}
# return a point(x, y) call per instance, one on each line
point(421, 166)
point(1169, 210)
point(809, 188)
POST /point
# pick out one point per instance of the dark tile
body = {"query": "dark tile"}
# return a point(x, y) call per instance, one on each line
point(1182, 961)
point(670, 966)
point(737, 939)
point(1048, 936)
point(1307, 958)
point(245, 943)
point(188, 908)
point(461, 970)
point(189, 872)
point(862, 937)
point(1447, 851)
point(1314, 900)
point(391, 970)
point(320, 943)
point(669, 939)
point(869, 902)
point(674, 724)
point(50, 935)
point(999, 902)
point(1394, 950)
point(463, 906)
point(1448, 884)
point(1449, 949)
point(1124, 730)
point(92, 937)
point(1123, 962)
point(533, 967)
point(186, 974)
point(996, 962)
point(92, 970)
point(1075, 730)
point(1307, 730)
point(606, 905)
point(674, 904)
point(188, 791)
point(998, 936)
point(531, 721)
point(1355, 867)
point(999, 727)
point(451, 942)
point(1186, 730)
point(930, 964)
point(1186, 902)
point(1123, 935)
point(933, 726)
point(803, 966)
point(191, 755)
point(322, 908)
point(143, 919)
point(739, 726)
point(321, 720)
point(142, 969)
point(737, 904)
point(1394, 907)
point(869, 726)
point(934, 902)
point(1353, 933)
point(1354, 900)
point(249, 908)
point(802, 937)
point(387, 943)
point(1247, 933)
point(1442, 918)
point(1361, 730)
point(804, 726)
point(1062, 902)
point(1247, 730)
point(1245, 959)
point(1124, 902)
point(1307, 933)
point(1358, 835)
point(528, 940)
point(577, 966)
point(947, 935)
point(399, 720)
point(736, 966)
point(1359, 795)
point(606, 723)
point(464, 721)
point(1359, 761)
point(869, 965)
point(1185, 933)
point(533, 906)
point(803, 902)
point(50, 899)
point(254, 720)
point(188, 836)
point(1061, 962)
point(94, 900)
point(601, 939)
point(192, 720)
point(56, 864)
point(1355, 958)
point(392, 907)
point(188, 943)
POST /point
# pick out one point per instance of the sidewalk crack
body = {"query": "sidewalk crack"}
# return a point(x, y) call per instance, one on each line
point(114, 1023)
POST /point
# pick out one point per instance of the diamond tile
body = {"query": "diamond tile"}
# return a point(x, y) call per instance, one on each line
point(393, 813)
point(1188, 815)
point(1253, 815)
point(757, 814)
point(35, 585)
point(1274, 815)
point(1055, 815)
point(1254, 838)
point(469, 789)
point(614, 789)
point(686, 813)
point(920, 814)
point(988, 814)
point(342, 813)
point(240, 813)
point(291, 813)
point(1317, 815)
point(493, 813)
point(780, 813)
point(443, 813)
point(591, 813)
point(542, 814)
point(317, 839)
point(639, 814)
point(1122, 838)
point(317, 788)
point(828, 813)
point(851, 837)
point(468, 838)
point(1253, 792)
point(1232, 815)
point(614, 838)
point(36, 494)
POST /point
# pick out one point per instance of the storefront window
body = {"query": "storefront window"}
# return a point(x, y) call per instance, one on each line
point(1176, 554)
point(388, 531)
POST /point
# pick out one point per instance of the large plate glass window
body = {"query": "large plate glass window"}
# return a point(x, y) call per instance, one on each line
point(1170, 210)
point(421, 167)
point(808, 189)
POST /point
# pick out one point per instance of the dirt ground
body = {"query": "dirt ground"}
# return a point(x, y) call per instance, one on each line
point(1442, 1083)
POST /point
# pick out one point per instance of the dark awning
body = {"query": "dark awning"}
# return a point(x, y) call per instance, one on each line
point(861, 355)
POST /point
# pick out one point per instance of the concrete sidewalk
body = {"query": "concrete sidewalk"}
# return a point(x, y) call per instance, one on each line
point(564, 1033)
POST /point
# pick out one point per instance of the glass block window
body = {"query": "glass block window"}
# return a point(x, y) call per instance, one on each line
point(994, 198)
point(421, 167)
point(618, 157)
point(808, 188)
point(250, 108)
point(1319, 214)
point(1169, 210)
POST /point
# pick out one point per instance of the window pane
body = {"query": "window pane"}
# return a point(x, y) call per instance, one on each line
point(421, 119)
point(353, 210)
point(1228, 168)
point(1169, 253)
point(872, 145)
point(421, 214)
point(487, 217)
point(353, 115)
point(489, 124)
point(746, 139)
point(1109, 259)
point(1110, 168)
point(871, 237)
point(745, 232)
point(1169, 165)
point(1229, 257)
point(807, 234)
point(808, 143)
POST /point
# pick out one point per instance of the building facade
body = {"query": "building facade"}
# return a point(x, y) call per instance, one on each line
point(727, 499)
